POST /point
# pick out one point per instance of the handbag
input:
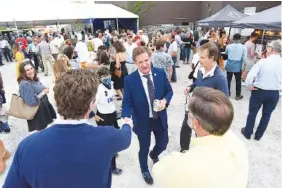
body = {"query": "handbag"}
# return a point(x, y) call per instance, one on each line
point(118, 72)
point(186, 131)
point(192, 72)
point(19, 109)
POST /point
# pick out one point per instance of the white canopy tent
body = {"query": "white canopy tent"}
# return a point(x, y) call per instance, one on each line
point(60, 12)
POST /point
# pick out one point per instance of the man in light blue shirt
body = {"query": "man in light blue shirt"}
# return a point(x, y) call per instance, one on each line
point(237, 54)
point(179, 43)
point(265, 81)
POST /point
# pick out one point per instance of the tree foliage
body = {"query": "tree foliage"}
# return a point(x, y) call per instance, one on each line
point(140, 7)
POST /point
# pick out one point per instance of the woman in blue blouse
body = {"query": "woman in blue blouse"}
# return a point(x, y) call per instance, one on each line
point(34, 93)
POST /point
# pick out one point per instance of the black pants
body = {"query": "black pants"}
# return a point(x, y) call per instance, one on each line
point(185, 134)
point(36, 61)
point(109, 120)
point(1, 63)
point(7, 54)
point(238, 82)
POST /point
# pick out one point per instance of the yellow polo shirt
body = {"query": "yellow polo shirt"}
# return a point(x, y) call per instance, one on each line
point(211, 162)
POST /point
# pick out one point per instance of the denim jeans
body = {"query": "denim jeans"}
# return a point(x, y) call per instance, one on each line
point(186, 54)
point(268, 100)
point(7, 54)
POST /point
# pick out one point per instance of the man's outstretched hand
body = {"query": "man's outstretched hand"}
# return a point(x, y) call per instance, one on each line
point(127, 121)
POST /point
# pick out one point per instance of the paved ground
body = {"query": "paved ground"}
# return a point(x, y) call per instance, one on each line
point(264, 156)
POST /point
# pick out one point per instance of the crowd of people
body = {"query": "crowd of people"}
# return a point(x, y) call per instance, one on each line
point(91, 73)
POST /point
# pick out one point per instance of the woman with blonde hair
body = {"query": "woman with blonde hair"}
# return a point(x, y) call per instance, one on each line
point(62, 64)
point(19, 56)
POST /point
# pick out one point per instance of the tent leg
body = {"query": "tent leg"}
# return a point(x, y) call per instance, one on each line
point(91, 26)
point(137, 27)
point(16, 26)
point(229, 32)
point(117, 24)
point(262, 36)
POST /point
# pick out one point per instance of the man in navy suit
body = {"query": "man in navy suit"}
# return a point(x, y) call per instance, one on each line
point(141, 89)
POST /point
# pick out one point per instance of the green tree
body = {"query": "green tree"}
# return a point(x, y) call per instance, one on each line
point(140, 7)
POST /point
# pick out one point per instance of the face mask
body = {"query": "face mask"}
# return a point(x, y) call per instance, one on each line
point(107, 81)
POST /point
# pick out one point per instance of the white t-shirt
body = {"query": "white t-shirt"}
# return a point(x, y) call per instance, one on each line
point(195, 60)
point(250, 48)
point(55, 45)
point(82, 51)
point(3, 43)
point(105, 100)
point(145, 39)
point(129, 50)
point(172, 47)
point(97, 42)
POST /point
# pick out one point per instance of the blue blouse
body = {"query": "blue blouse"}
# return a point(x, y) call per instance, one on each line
point(29, 91)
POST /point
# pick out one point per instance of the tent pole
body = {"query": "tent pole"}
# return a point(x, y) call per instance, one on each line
point(91, 26)
point(16, 26)
point(229, 32)
point(117, 24)
point(262, 36)
point(137, 24)
point(58, 25)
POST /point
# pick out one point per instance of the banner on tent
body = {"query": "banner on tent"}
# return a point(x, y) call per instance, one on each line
point(110, 24)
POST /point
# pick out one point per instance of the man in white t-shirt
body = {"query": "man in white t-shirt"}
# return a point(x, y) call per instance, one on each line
point(97, 41)
point(82, 51)
point(172, 50)
point(251, 55)
point(55, 44)
point(143, 37)
point(129, 47)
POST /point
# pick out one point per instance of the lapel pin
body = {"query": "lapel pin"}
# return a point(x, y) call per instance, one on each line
point(155, 74)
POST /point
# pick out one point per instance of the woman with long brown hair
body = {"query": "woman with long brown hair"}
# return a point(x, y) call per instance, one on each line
point(223, 41)
point(34, 93)
point(118, 68)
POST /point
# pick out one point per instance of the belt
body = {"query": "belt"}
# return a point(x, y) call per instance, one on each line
point(259, 88)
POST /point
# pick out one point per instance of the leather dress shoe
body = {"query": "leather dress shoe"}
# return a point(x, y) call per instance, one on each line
point(148, 178)
point(155, 160)
point(243, 133)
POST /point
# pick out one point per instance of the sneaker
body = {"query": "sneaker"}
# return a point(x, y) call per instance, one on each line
point(239, 97)
point(4, 127)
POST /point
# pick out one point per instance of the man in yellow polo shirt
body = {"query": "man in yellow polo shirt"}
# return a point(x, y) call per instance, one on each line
point(217, 158)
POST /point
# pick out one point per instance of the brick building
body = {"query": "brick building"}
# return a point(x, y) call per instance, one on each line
point(183, 12)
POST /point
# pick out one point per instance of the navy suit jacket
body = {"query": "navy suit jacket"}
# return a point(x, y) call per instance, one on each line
point(135, 103)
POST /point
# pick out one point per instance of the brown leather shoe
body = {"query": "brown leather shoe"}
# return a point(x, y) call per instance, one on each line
point(4, 155)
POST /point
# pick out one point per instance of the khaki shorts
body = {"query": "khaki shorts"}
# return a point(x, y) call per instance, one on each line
point(249, 65)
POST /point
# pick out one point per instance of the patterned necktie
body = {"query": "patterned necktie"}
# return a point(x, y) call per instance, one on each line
point(151, 91)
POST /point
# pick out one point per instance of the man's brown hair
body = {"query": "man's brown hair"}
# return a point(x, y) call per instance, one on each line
point(212, 109)
point(74, 91)
point(138, 51)
point(211, 48)
point(160, 44)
